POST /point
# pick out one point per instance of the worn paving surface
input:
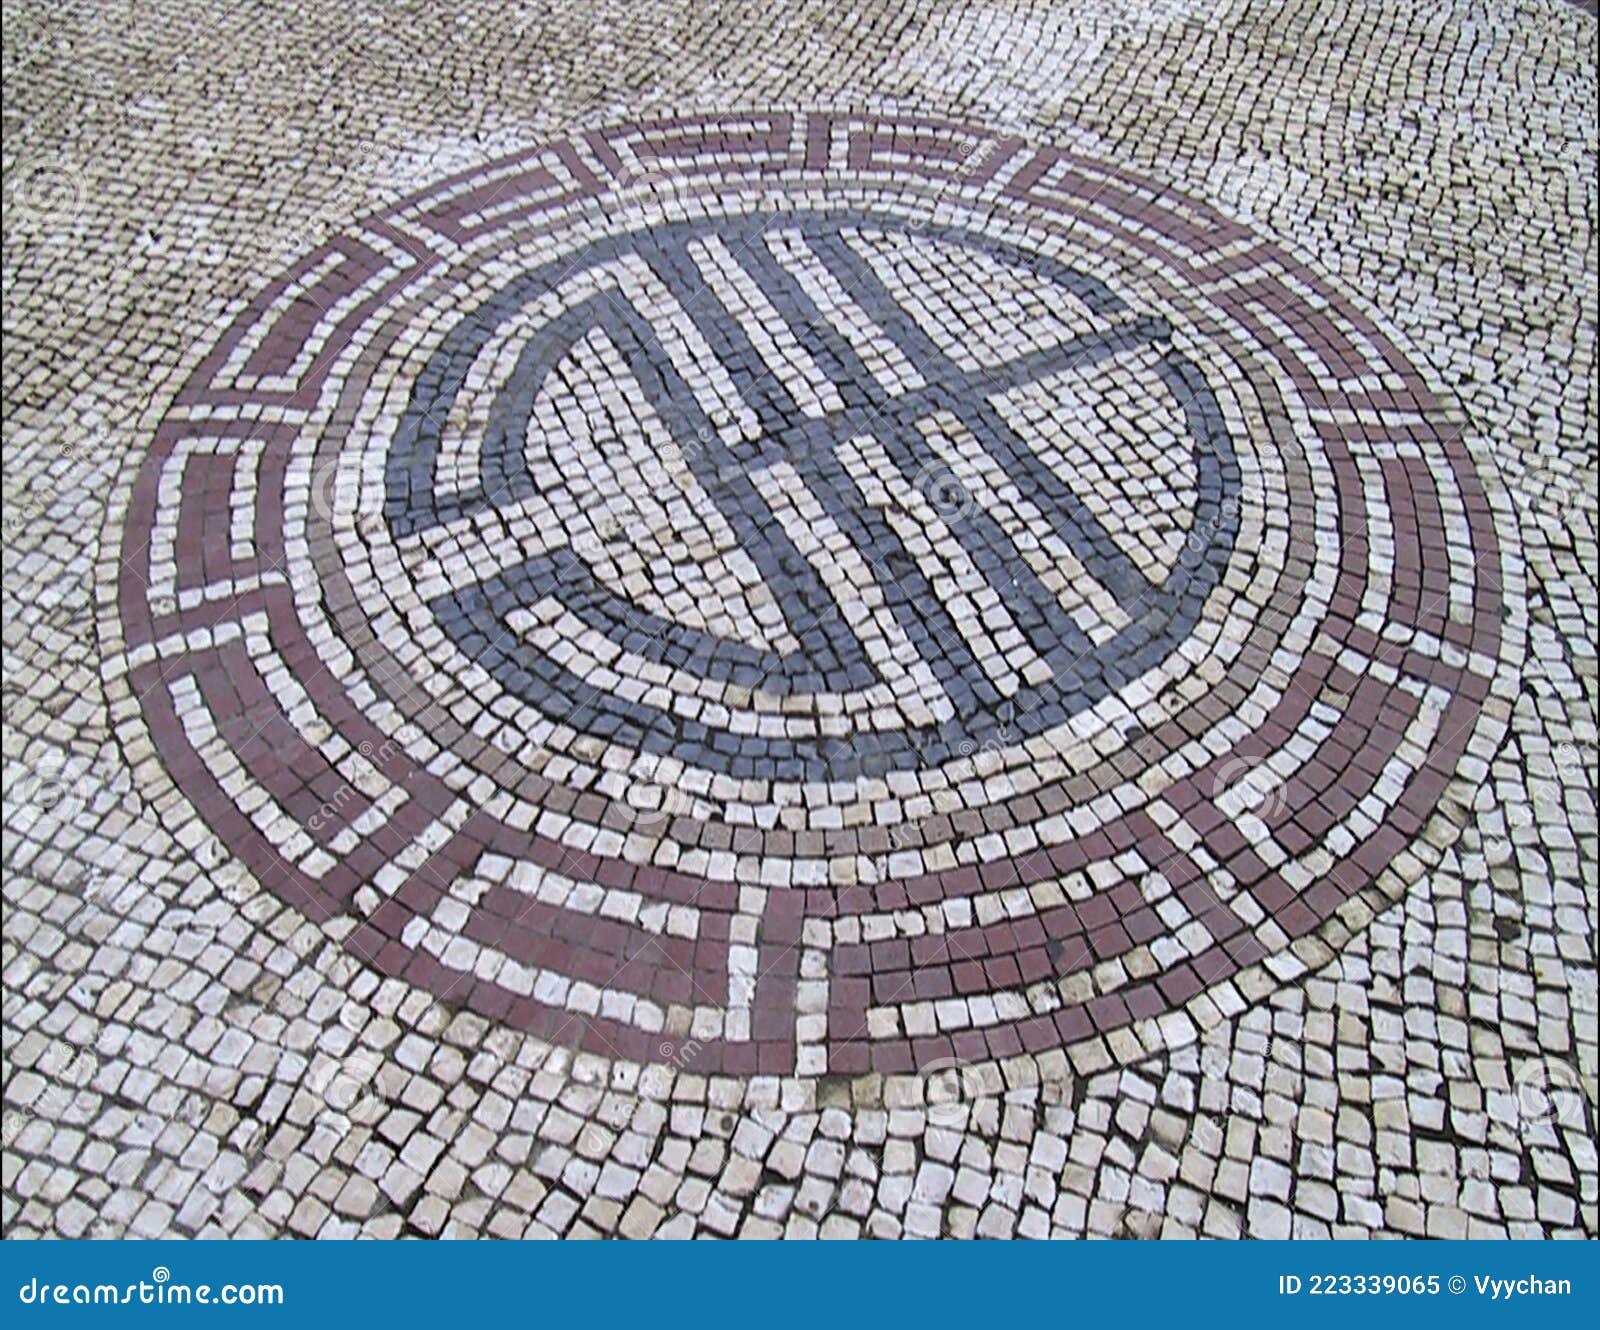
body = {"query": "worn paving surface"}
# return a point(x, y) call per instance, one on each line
point(967, 620)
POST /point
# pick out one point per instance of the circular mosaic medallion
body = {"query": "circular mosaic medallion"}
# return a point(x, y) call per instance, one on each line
point(803, 594)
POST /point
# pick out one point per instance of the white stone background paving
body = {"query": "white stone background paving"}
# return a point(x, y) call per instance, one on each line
point(162, 161)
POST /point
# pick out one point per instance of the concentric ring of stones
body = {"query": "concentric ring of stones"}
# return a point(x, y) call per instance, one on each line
point(818, 594)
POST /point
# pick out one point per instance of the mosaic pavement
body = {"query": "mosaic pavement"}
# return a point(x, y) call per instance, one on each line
point(965, 620)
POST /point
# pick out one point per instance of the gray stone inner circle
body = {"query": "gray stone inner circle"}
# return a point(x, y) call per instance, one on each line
point(831, 659)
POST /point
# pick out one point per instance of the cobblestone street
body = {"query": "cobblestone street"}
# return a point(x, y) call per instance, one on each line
point(700, 620)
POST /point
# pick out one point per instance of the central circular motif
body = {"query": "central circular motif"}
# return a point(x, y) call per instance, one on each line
point(814, 411)
point(797, 594)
